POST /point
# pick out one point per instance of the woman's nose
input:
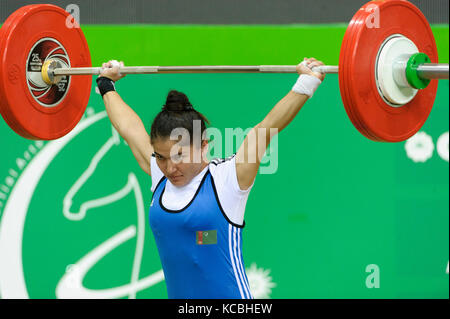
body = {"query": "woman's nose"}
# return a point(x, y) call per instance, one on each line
point(171, 167)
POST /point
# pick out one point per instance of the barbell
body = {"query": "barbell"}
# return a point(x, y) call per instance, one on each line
point(387, 71)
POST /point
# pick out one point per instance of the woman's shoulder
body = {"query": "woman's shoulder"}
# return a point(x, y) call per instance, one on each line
point(218, 161)
point(223, 171)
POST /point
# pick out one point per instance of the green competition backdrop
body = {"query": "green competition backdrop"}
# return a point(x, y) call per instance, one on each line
point(338, 206)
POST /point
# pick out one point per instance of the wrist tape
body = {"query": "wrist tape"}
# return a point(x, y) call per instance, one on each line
point(105, 85)
point(306, 84)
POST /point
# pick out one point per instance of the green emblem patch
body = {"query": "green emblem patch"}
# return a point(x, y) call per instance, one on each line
point(207, 237)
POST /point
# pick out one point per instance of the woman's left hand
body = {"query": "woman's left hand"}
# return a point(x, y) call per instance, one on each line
point(307, 65)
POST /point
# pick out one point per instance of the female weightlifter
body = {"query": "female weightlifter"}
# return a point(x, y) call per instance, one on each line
point(197, 210)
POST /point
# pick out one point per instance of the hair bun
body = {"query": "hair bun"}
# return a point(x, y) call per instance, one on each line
point(177, 102)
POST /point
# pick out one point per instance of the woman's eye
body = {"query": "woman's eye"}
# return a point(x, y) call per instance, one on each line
point(179, 157)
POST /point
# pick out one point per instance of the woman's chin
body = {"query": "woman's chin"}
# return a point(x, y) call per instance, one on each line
point(177, 181)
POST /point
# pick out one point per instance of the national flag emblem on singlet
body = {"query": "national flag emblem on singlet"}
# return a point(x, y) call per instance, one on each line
point(208, 237)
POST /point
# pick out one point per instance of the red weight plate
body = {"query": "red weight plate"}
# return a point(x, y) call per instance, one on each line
point(381, 121)
point(365, 19)
point(4, 109)
point(343, 57)
point(359, 19)
point(31, 108)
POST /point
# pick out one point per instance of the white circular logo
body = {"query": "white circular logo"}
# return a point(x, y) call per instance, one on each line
point(442, 146)
point(420, 147)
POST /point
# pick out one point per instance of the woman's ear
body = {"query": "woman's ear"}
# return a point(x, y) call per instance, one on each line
point(205, 149)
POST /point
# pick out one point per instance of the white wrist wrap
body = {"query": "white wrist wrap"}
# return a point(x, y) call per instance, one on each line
point(306, 84)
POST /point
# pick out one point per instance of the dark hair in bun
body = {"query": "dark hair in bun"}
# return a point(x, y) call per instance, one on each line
point(178, 112)
point(177, 102)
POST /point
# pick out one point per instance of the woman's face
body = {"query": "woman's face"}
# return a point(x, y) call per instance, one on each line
point(179, 164)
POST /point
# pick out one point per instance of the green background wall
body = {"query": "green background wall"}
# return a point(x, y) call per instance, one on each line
point(337, 203)
point(235, 44)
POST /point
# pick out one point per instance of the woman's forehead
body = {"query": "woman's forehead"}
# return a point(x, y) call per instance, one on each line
point(165, 146)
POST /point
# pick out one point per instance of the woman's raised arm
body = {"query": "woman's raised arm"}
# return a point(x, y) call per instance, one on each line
point(250, 153)
point(124, 119)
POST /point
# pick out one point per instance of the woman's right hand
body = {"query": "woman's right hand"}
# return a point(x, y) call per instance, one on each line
point(111, 70)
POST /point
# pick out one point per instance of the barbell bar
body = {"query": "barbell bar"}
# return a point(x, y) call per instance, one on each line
point(425, 71)
point(387, 73)
point(433, 71)
point(192, 69)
